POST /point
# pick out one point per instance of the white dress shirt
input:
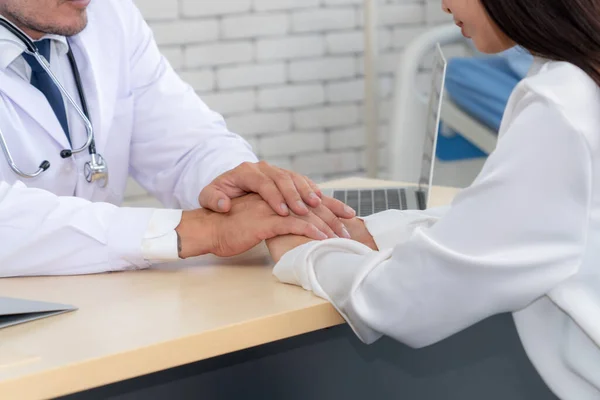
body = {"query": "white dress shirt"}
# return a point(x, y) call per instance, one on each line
point(160, 240)
point(524, 238)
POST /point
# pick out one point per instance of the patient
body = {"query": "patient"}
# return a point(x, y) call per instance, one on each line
point(503, 245)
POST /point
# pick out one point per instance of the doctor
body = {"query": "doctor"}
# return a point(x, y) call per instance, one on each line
point(90, 102)
point(524, 238)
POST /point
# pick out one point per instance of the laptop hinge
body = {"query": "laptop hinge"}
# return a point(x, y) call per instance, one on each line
point(421, 200)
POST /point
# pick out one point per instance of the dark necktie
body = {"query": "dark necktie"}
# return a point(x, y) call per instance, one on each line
point(42, 81)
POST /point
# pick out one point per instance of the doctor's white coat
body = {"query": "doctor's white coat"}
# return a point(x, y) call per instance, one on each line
point(147, 122)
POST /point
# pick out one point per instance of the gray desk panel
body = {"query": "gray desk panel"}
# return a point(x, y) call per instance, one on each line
point(485, 362)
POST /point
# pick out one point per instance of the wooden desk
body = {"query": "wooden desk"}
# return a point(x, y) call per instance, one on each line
point(135, 323)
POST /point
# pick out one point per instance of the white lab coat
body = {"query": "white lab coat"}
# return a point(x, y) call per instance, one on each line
point(524, 238)
point(148, 123)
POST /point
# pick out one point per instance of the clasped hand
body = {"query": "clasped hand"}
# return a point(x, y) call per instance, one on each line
point(249, 221)
point(256, 202)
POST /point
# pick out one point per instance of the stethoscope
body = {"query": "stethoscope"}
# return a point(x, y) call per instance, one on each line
point(96, 169)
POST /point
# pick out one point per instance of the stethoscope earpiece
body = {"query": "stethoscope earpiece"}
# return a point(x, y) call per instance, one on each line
point(45, 165)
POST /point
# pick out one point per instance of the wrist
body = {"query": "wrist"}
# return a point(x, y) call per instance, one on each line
point(179, 247)
point(194, 234)
point(280, 245)
point(359, 232)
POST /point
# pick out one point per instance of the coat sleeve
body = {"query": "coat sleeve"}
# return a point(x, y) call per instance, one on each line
point(179, 145)
point(45, 234)
point(509, 239)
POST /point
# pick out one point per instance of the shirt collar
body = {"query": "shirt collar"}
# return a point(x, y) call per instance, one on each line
point(9, 52)
point(60, 43)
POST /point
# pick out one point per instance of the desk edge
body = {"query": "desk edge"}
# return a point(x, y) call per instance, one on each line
point(99, 372)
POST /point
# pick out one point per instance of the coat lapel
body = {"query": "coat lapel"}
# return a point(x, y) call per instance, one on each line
point(33, 103)
point(87, 50)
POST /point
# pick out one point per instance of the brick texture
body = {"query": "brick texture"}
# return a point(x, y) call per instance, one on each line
point(288, 75)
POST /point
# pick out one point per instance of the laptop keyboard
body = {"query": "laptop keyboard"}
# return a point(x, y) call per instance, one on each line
point(371, 201)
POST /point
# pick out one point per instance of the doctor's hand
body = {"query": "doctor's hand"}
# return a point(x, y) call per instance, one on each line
point(283, 190)
point(280, 245)
point(249, 221)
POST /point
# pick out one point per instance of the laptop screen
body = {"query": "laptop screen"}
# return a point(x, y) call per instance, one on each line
point(438, 80)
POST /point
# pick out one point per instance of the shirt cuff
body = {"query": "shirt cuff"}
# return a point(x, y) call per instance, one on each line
point(160, 239)
point(392, 227)
point(316, 267)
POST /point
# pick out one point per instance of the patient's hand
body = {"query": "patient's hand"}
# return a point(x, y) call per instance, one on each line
point(360, 233)
point(280, 245)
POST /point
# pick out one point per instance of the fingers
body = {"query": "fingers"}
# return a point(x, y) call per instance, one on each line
point(268, 190)
point(332, 221)
point(306, 190)
point(282, 190)
point(296, 226)
point(321, 222)
point(270, 184)
point(338, 208)
point(214, 199)
point(314, 187)
point(244, 179)
point(296, 192)
point(287, 187)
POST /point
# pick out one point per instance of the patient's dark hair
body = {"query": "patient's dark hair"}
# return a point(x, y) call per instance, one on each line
point(560, 30)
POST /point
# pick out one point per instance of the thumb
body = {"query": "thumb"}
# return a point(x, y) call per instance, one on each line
point(214, 199)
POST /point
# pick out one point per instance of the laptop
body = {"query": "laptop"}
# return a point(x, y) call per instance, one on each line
point(18, 311)
point(367, 201)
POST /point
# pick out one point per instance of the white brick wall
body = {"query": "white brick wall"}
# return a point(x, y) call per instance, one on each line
point(221, 53)
point(288, 74)
point(291, 96)
point(322, 69)
point(287, 48)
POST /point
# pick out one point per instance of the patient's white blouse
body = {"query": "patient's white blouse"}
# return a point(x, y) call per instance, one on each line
point(524, 238)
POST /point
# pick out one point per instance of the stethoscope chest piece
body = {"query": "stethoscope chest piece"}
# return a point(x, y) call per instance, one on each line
point(96, 170)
